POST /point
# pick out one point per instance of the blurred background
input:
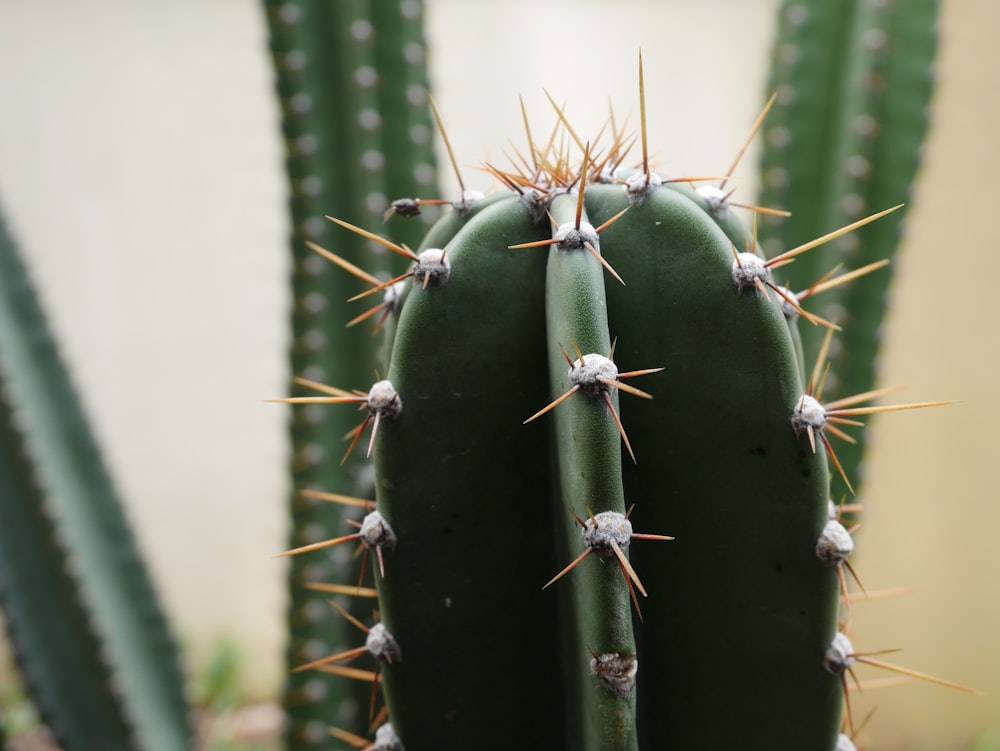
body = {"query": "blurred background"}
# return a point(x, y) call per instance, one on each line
point(141, 172)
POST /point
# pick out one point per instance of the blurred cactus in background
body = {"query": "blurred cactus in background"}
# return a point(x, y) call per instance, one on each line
point(79, 607)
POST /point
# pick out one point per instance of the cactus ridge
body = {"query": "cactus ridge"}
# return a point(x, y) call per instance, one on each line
point(727, 454)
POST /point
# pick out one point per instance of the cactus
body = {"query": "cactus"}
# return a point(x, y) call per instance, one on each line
point(853, 82)
point(351, 82)
point(726, 449)
point(84, 620)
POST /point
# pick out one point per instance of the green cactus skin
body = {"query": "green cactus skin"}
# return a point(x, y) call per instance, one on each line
point(351, 81)
point(854, 80)
point(93, 644)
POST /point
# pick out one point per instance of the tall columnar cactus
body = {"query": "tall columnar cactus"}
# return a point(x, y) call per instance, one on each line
point(351, 82)
point(517, 461)
point(85, 622)
point(853, 80)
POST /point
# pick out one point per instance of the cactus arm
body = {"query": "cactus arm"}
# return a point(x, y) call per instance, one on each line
point(115, 588)
point(740, 592)
point(457, 464)
point(588, 447)
point(343, 74)
point(53, 638)
point(837, 148)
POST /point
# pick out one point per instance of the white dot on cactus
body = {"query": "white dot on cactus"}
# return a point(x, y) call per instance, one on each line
point(300, 103)
point(347, 711)
point(314, 731)
point(605, 528)
point(294, 60)
point(796, 14)
point(311, 533)
point(386, 739)
point(784, 95)
point(383, 399)
point(424, 173)
point(591, 372)
point(381, 644)
point(716, 198)
point(310, 186)
point(569, 237)
point(748, 269)
point(312, 414)
point(776, 178)
point(376, 203)
point(289, 13)
point(857, 166)
point(847, 245)
point(778, 137)
point(844, 743)
point(373, 161)
point(420, 134)
point(875, 40)
point(617, 672)
point(853, 205)
point(865, 126)
point(376, 532)
point(313, 340)
point(433, 269)
point(366, 76)
point(834, 544)
point(369, 120)
point(784, 295)
point(313, 303)
point(313, 228)
point(467, 201)
point(410, 9)
point(313, 649)
point(394, 295)
point(639, 185)
point(413, 53)
point(361, 30)
point(314, 611)
point(808, 413)
point(788, 54)
point(839, 655)
point(416, 95)
point(306, 144)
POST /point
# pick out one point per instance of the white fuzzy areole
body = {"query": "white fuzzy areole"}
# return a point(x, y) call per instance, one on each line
point(381, 644)
point(784, 295)
point(604, 528)
point(387, 740)
point(393, 296)
point(467, 201)
point(433, 268)
point(617, 672)
point(587, 372)
point(834, 544)
point(376, 532)
point(809, 413)
point(570, 237)
point(383, 399)
point(716, 198)
point(748, 268)
point(640, 185)
point(844, 743)
point(839, 655)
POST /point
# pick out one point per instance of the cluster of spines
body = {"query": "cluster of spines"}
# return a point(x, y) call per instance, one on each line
point(536, 182)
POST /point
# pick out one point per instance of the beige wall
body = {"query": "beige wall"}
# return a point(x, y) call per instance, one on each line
point(141, 168)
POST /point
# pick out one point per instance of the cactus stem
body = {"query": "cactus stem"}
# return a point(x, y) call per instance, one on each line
point(617, 671)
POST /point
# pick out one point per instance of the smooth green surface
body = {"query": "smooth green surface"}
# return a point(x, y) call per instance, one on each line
point(114, 588)
point(467, 488)
point(740, 610)
point(589, 457)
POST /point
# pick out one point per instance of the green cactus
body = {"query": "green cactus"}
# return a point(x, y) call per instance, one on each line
point(727, 456)
point(853, 82)
point(84, 620)
point(513, 610)
point(351, 81)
